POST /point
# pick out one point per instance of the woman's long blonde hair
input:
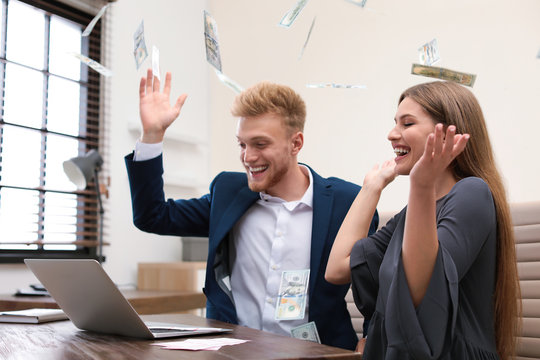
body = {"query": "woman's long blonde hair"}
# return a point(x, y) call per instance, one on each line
point(452, 104)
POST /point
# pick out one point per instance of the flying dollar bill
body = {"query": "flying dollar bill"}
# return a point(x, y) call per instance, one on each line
point(444, 74)
point(140, 52)
point(211, 40)
point(227, 81)
point(307, 39)
point(306, 332)
point(335, 86)
point(288, 19)
point(93, 64)
point(428, 54)
point(94, 21)
point(155, 62)
point(360, 3)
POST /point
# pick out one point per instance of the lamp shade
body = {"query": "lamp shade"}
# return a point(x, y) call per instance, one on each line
point(80, 170)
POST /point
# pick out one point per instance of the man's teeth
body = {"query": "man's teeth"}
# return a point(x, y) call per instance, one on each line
point(257, 169)
point(401, 151)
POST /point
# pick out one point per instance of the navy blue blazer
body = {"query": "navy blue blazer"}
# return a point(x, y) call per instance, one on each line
point(214, 215)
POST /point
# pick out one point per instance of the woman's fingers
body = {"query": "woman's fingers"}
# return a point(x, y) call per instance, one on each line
point(439, 140)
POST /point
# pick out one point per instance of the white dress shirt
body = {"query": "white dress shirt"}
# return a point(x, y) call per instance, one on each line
point(271, 237)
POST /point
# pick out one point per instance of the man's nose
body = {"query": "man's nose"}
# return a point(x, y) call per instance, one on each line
point(249, 155)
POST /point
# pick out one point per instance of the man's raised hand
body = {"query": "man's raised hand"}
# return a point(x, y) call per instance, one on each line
point(155, 109)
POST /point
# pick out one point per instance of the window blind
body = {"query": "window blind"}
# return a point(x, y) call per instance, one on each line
point(52, 110)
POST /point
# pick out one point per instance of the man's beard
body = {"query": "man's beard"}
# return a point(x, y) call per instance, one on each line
point(268, 183)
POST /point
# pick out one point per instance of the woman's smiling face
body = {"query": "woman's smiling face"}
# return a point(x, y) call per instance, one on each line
point(408, 137)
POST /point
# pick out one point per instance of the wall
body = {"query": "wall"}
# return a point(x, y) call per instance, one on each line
point(346, 129)
point(176, 28)
point(376, 46)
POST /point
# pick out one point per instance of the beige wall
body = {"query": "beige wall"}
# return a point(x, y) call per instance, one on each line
point(175, 27)
point(346, 129)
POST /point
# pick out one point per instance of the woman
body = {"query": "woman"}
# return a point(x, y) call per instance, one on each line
point(439, 281)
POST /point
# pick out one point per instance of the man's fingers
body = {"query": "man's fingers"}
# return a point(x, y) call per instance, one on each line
point(156, 84)
point(180, 102)
point(149, 81)
point(167, 87)
point(142, 87)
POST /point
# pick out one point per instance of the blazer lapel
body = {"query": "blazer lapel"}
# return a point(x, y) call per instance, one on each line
point(323, 198)
point(233, 212)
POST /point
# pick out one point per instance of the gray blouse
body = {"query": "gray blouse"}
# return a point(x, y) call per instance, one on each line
point(455, 318)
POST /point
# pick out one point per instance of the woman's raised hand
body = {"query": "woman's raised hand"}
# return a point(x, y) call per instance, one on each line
point(440, 150)
point(380, 176)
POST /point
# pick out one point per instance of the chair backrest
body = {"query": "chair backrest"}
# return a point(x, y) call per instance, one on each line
point(526, 220)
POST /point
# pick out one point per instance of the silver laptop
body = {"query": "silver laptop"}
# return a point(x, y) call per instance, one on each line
point(93, 302)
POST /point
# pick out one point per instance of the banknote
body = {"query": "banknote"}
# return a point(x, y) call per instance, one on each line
point(335, 86)
point(94, 21)
point(140, 52)
point(292, 295)
point(155, 62)
point(360, 3)
point(227, 81)
point(211, 40)
point(444, 74)
point(307, 39)
point(428, 54)
point(306, 332)
point(288, 19)
point(93, 64)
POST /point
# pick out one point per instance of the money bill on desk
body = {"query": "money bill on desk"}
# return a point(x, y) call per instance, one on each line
point(292, 296)
point(140, 52)
point(306, 332)
point(307, 39)
point(93, 64)
point(94, 21)
point(211, 41)
point(227, 81)
point(291, 15)
point(444, 74)
point(428, 54)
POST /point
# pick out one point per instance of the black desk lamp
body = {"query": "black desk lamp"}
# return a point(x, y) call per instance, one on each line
point(80, 171)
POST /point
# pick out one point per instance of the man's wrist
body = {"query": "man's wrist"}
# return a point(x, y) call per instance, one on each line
point(152, 138)
point(145, 151)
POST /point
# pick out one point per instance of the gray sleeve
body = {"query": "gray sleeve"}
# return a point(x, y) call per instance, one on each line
point(465, 220)
point(366, 258)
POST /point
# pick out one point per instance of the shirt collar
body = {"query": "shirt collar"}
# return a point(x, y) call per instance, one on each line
point(307, 198)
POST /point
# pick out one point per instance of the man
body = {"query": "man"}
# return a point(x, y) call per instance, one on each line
point(270, 230)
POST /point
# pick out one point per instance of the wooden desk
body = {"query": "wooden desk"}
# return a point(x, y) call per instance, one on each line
point(61, 340)
point(143, 301)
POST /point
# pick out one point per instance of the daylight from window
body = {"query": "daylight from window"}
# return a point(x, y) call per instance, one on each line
point(41, 91)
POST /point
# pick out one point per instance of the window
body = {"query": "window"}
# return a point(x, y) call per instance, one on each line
point(50, 113)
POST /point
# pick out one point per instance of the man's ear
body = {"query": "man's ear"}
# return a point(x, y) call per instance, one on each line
point(297, 142)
